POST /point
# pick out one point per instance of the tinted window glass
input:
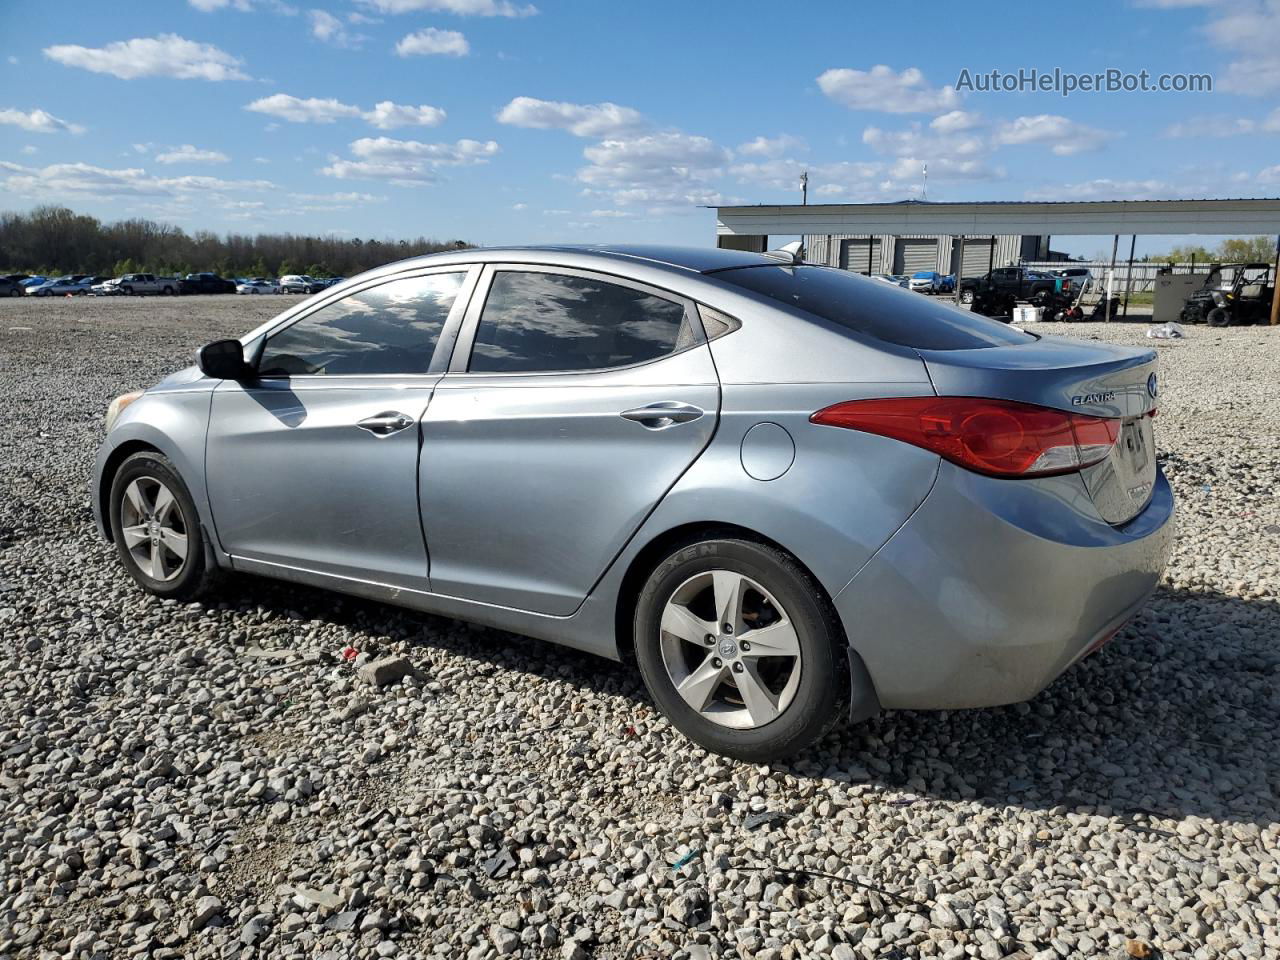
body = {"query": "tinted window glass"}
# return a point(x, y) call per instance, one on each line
point(876, 309)
point(391, 328)
point(543, 321)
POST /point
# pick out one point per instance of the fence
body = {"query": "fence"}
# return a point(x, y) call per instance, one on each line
point(1143, 276)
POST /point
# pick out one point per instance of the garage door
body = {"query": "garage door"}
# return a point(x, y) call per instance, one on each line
point(860, 256)
point(912, 256)
point(977, 256)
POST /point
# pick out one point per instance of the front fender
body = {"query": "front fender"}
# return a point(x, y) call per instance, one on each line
point(175, 423)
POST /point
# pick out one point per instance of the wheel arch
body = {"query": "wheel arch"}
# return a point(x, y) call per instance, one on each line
point(108, 475)
point(863, 701)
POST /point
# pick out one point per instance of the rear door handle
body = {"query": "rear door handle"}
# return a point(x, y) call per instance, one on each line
point(664, 413)
point(386, 423)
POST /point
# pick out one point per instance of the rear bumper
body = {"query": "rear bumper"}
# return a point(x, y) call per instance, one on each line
point(992, 588)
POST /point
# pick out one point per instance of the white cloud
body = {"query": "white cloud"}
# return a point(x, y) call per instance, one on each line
point(208, 6)
point(1223, 126)
point(387, 116)
point(519, 206)
point(81, 178)
point(29, 149)
point(167, 55)
point(1249, 30)
point(1107, 189)
point(580, 119)
point(38, 121)
point(431, 42)
point(911, 168)
point(324, 202)
point(916, 142)
point(188, 153)
point(782, 173)
point(956, 121)
point(671, 170)
point(327, 28)
point(1065, 137)
point(883, 90)
point(463, 8)
point(300, 110)
point(772, 146)
point(407, 162)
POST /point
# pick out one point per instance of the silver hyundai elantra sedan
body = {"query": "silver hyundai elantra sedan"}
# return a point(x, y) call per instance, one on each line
point(785, 493)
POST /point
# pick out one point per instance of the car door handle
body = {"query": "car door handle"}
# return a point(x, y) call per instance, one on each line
point(664, 413)
point(386, 423)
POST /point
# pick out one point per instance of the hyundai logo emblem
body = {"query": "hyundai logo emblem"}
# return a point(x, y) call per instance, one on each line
point(1152, 386)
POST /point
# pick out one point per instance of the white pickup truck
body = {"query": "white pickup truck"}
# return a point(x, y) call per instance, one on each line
point(140, 284)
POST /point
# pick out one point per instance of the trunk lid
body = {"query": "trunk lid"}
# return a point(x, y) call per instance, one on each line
point(1076, 376)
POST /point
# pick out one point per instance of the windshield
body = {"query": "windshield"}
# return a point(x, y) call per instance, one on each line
point(878, 310)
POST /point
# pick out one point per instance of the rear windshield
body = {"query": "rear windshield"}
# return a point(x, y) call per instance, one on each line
point(875, 309)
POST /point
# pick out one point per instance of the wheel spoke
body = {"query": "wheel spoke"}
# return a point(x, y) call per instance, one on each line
point(678, 620)
point(756, 697)
point(697, 688)
point(727, 587)
point(134, 535)
point(174, 542)
point(776, 640)
point(156, 567)
point(133, 494)
point(163, 503)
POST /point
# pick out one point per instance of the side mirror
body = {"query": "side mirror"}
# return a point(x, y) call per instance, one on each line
point(223, 360)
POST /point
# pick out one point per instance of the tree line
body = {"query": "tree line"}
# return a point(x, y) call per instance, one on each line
point(53, 240)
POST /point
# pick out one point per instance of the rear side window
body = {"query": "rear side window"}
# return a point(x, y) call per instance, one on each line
point(544, 322)
point(388, 329)
point(875, 309)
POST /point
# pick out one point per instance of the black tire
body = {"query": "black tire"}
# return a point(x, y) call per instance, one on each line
point(824, 676)
point(966, 296)
point(1218, 317)
point(195, 578)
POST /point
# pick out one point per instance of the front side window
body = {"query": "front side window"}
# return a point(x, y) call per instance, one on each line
point(388, 329)
point(543, 322)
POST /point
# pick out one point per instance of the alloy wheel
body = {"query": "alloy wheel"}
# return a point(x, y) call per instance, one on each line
point(730, 650)
point(154, 528)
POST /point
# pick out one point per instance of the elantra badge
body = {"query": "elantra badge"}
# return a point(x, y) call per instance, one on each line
point(1080, 399)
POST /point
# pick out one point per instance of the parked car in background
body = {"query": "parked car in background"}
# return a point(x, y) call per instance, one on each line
point(298, 283)
point(1079, 276)
point(647, 453)
point(333, 281)
point(1017, 282)
point(30, 282)
point(74, 284)
point(206, 283)
point(895, 279)
point(256, 285)
point(11, 286)
point(930, 281)
point(143, 284)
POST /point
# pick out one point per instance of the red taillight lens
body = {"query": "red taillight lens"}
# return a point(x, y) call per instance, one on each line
point(1000, 438)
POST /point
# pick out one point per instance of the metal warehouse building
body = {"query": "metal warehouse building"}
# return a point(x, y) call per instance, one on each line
point(887, 253)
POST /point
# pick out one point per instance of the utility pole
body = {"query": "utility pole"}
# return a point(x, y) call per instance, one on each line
point(924, 190)
point(804, 188)
point(1275, 295)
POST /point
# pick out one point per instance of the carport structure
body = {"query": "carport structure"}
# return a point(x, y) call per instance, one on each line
point(749, 227)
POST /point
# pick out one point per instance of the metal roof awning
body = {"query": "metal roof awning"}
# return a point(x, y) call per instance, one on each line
point(994, 218)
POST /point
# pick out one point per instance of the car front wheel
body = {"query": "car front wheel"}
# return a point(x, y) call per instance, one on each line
point(738, 647)
point(156, 529)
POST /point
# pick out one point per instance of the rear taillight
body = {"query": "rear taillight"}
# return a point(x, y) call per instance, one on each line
point(1000, 438)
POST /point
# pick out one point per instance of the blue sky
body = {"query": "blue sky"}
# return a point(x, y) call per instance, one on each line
point(501, 121)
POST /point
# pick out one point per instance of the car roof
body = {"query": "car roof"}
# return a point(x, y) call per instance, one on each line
point(692, 259)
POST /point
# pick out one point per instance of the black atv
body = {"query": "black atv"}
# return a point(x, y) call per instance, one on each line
point(1246, 301)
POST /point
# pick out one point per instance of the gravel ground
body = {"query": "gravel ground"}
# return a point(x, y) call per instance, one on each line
point(215, 781)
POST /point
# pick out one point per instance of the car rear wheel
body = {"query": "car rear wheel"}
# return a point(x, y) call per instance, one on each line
point(966, 296)
point(736, 644)
point(156, 529)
